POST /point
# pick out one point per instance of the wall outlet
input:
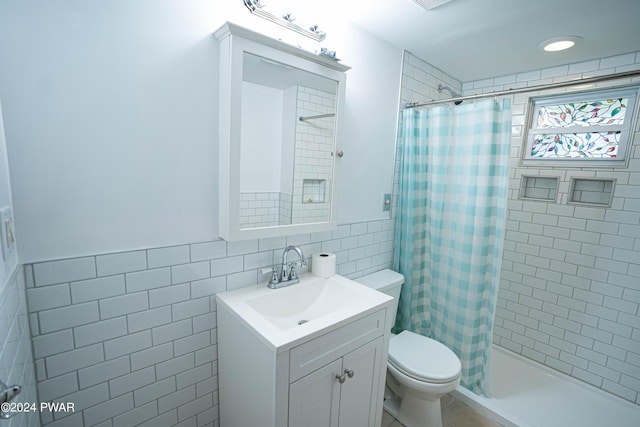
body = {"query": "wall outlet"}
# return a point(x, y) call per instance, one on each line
point(7, 232)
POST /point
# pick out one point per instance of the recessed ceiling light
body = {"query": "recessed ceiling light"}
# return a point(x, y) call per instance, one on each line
point(559, 43)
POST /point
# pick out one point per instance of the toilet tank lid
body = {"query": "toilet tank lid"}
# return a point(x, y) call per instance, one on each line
point(382, 279)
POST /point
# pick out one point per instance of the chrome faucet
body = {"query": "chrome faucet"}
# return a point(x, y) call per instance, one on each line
point(284, 276)
point(287, 274)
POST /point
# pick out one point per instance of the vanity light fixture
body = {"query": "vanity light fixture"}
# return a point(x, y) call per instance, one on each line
point(559, 43)
point(257, 7)
point(430, 4)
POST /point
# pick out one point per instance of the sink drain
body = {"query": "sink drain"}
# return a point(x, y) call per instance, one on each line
point(302, 322)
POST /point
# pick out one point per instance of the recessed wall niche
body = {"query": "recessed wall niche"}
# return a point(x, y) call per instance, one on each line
point(591, 191)
point(313, 191)
point(539, 188)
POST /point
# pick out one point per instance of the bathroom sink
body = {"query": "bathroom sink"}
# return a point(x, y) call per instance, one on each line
point(285, 315)
point(296, 305)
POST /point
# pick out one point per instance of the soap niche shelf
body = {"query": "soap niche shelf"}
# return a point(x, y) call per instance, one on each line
point(313, 191)
point(591, 191)
point(539, 188)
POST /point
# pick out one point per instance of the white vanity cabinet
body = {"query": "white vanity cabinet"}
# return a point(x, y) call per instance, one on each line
point(333, 377)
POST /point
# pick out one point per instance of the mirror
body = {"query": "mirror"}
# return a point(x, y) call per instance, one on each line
point(279, 125)
point(287, 139)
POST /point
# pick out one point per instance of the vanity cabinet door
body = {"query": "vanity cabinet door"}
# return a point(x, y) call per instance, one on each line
point(319, 399)
point(358, 394)
point(314, 400)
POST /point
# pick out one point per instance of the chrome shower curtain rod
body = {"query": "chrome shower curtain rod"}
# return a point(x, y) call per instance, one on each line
point(528, 89)
point(319, 116)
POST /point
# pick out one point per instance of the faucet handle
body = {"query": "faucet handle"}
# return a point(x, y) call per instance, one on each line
point(292, 272)
point(274, 275)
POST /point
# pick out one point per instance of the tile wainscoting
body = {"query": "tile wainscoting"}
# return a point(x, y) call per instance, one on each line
point(130, 337)
point(16, 359)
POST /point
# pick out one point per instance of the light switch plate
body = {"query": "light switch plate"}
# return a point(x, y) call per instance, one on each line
point(7, 232)
point(386, 202)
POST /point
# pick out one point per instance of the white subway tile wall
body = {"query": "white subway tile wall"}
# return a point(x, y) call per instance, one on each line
point(570, 283)
point(16, 359)
point(264, 209)
point(313, 160)
point(130, 337)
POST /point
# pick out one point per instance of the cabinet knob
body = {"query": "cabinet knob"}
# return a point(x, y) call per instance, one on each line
point(349, 373)
point(341, 379)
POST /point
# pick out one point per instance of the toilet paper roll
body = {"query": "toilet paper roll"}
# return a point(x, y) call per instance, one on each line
point(323, 264)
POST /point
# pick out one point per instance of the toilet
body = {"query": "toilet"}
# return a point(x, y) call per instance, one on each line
point(419, 369)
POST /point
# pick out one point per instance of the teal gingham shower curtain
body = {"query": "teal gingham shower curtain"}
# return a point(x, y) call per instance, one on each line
point(450, 226)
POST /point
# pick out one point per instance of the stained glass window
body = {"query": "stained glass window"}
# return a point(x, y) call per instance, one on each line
point(584, 126)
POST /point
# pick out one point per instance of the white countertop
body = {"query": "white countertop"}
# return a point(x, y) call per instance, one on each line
point(273, 314)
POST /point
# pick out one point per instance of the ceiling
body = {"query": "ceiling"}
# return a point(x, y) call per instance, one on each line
point(479, 39)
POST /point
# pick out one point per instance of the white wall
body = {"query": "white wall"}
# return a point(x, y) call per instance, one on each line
point(111, 118)
point(370, 117)
point(261, 139)
point(110, 113)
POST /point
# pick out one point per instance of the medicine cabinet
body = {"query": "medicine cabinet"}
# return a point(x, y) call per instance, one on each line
point(279, 129)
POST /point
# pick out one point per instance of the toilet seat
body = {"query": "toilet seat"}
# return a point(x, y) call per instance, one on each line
point(423, 358)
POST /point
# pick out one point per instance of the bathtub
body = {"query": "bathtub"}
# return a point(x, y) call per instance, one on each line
point(528, 394)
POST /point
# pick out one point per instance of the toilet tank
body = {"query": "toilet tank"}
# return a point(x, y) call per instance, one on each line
point(386, 281)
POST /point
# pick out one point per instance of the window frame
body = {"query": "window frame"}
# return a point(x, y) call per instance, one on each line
point(627, 130)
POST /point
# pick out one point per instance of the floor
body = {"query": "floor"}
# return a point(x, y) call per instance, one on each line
point(454, 414)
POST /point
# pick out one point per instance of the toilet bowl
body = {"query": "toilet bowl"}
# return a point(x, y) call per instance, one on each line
point(422, 370)
point(419, 369)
